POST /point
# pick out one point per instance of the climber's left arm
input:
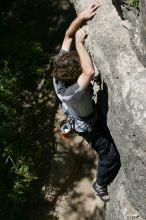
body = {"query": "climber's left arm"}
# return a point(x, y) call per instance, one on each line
point(85, 15)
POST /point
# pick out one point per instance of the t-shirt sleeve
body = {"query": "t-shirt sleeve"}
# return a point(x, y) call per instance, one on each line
point(69, 91)
point(62, 52)
point(73, 91)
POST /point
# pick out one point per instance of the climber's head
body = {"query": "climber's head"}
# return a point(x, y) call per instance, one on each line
point(67, 68)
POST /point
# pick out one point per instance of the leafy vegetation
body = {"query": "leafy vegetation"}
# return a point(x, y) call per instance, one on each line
point(23, 65)
point(134, 3)
point(20, 73)
point(31, 31)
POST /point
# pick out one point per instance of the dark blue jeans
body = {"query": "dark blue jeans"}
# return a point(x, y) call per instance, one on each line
point(109, 159)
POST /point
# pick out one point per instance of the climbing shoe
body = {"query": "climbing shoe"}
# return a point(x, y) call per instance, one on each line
point(101, 191)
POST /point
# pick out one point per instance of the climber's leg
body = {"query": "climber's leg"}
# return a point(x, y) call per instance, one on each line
point(109, 158)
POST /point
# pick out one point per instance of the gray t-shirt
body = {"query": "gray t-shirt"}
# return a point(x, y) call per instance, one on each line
point(75, 99)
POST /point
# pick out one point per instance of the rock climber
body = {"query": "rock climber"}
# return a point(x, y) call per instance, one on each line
point(72, 75)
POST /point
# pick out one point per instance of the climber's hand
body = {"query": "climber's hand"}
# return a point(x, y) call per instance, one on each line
point(80, 36)
point(89, 12)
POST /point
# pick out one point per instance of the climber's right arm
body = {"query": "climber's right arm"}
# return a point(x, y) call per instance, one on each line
point(85, 60)
point(85, 15)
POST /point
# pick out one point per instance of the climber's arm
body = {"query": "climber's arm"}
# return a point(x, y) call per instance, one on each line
point(85, 60)
point(87, 14)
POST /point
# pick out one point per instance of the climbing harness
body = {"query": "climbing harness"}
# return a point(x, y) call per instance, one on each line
point(67, 125)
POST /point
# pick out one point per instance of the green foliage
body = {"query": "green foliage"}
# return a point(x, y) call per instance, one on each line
point(134, 3)
point(16, 177)
point(23, 63)
point(26, 107)
point(17, 153)
point(17, 156)
point(20, 178)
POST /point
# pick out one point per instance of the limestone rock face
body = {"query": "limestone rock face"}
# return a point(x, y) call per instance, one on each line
point(142, 22)
point(118, 48)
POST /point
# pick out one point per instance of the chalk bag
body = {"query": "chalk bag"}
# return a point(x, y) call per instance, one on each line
point(65, 129)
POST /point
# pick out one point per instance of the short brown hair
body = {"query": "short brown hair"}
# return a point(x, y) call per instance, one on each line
point(67, 68)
